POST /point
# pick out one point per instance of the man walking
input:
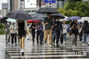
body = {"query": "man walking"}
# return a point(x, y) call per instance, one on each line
point(48, 29)
point(58, 30)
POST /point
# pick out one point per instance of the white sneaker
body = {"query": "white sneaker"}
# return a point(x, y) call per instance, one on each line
point(50, 46)
point(74, 46)
point(22, 50)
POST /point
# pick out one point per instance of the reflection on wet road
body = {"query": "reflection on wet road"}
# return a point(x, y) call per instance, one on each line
point(44, 51)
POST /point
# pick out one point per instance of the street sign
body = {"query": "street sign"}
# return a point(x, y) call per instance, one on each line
point(49, 1)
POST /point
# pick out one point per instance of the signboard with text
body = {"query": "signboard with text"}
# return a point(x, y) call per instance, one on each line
point(30, 3)
point(49, 1)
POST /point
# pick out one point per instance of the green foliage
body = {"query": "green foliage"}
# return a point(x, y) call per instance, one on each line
point(73, 8)
point(2, 28)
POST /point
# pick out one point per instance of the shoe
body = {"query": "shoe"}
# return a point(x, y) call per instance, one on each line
point(50, 46)
point(88, 44)
point(74, 46)
point(22, 52)
point(57, 45)
point(83, 44)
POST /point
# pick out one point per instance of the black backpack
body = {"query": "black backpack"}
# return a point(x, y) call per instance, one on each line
point(86, 28)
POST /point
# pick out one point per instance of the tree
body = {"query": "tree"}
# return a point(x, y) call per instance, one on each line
point(75, 8)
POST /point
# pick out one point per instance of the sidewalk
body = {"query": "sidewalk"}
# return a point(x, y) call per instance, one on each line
point(2, 46)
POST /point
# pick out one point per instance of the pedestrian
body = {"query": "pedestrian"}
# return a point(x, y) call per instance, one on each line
point(48, 29)
point(86, 32)
point(80, 31)
point(22, 34)
point(33, 27)
point(7, 30)
point(74, 28)
point(58, 31)
point(13, 32)
point(39, 27)
point(53, 31)
point(64, 26)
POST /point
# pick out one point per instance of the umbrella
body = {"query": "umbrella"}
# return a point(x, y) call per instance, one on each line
point(38, 15)
point(29, 21)
point(36, 21)
point(19, 15)
point(83, 19)
point(11, 20)
point(57, 15)
point(0, 16)
point(74, 18)
point(38, 18)
point(47, 10)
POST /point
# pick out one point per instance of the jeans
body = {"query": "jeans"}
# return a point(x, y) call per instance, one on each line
point(53, 36)
point(39, 34)
point(85, 37)
point(57, 36)
point(33, 36)
point(64, 37)
point(74, 36)
point(13, 38)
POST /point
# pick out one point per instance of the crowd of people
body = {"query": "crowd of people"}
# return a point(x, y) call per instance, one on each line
point(51, 30)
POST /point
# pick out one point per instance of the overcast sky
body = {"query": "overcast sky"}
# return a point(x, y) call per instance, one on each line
point(2, 1)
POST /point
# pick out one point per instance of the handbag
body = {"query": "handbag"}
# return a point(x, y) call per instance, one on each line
point(64, 31)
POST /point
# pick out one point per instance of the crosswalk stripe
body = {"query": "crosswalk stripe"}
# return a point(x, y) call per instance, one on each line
point(48, 56)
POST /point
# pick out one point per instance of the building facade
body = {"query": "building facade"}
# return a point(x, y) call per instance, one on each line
point(58, 4)
point(4, 9)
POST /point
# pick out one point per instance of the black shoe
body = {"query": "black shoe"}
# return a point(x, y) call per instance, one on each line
point(22, 53)
point(57, 45)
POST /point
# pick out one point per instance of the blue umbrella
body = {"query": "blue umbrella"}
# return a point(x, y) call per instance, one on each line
point(74, 18)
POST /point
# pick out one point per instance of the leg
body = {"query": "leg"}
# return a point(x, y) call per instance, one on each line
point(84, 40)
point(33, 36)
point(23, 38)
point(38, 33)
point(57, 38)
point(50, 36)
point(41, 37)
point(12, 38)
point(45, 35)
point(53, 37)
point(75, 40)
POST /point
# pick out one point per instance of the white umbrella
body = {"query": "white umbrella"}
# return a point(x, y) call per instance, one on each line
point(83, 19)
point(11, 20)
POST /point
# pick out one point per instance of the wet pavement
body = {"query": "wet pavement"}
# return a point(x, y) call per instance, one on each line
point(44, 51)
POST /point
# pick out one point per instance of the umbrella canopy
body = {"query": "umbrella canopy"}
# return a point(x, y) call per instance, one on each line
point(38, 15)
point(74, 18)
point(0, 16)
point(57, 15)
point(19, 15)
point(48, 10)
point(29, 21)
point(11, 20)
point(83, 19)
point(36, 21)
point(39, 18)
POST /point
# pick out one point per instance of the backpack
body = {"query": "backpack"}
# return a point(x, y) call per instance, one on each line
point(86, 28)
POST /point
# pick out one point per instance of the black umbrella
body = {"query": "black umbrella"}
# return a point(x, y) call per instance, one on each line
point(57, 15)
point(38, 15)
point(39, 18)
point(19, 15)
point(48, 10)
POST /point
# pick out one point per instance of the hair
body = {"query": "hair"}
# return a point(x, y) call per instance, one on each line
point(86, 22)
point(48, 13)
